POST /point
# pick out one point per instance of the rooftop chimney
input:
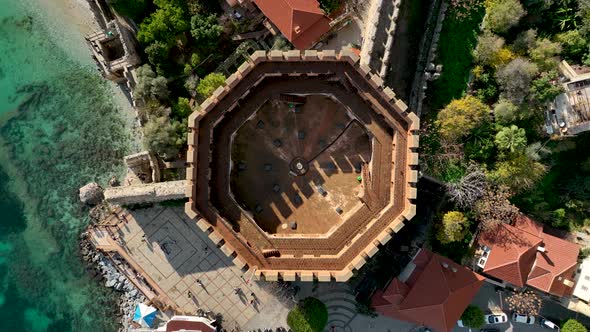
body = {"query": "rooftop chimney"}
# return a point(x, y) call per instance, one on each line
point(454, 269)
point(297, 29)
point(541, 248)
point(445, 265)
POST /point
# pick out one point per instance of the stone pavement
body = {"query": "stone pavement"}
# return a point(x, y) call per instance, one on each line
point(181, 259)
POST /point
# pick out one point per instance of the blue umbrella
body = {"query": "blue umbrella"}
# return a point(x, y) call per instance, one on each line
point(144, 315)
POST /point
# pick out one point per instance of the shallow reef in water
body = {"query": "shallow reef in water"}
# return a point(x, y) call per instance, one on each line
point(59, 129)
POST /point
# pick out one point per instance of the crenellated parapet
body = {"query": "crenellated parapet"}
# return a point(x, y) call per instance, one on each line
point(393, 168)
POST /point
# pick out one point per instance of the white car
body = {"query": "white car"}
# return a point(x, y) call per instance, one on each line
point(548, 324)
point(496, 318)
point(524, 319)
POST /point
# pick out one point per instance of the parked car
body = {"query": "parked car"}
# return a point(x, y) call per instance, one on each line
point(548, 324)
point(496, 318)
point(489, 330)
point(460, 323)
point(524, 319)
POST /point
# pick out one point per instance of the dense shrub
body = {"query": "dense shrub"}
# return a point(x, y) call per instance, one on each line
point(163, 25)
point(459, 117)
point(473, 317)
point(515, 79)
point(209, 83)
point(503, 14)
point(573, 325)
point(310, 315)
point(454, 227)
point(135, 9)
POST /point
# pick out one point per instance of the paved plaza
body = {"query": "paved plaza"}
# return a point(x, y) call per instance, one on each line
point(176, 254)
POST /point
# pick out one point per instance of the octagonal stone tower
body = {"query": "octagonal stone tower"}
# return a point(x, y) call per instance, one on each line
point(302, 165)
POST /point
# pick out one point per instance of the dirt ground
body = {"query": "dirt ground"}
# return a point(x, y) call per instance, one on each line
point(323, 134)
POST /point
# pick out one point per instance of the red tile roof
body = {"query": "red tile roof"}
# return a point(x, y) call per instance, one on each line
point(514, 257)
point(301, 21)
point(433, 295)
point(559, 260)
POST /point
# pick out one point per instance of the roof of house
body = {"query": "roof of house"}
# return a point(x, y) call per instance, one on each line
point(435, 295)
point(301, 21)
point(513, 253)
point(514, 257)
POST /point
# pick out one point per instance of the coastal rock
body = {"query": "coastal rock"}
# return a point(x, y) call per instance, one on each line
point(91, 194)
point(110, 283)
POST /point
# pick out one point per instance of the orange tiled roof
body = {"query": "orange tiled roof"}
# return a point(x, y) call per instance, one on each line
point(301, 21)
point(514, 257)
point(513, 253)
point(433, 295)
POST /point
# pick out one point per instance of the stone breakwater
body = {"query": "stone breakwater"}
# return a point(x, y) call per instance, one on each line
point(103, 269)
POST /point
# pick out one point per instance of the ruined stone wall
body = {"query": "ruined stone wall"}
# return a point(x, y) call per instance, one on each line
point(146, 193)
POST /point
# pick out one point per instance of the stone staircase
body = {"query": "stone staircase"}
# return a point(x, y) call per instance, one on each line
point(341, 306)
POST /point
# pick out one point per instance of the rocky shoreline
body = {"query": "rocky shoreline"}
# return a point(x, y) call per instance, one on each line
point(103, 270)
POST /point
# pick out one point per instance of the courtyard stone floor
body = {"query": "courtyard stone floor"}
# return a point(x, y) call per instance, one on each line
point(194, 273)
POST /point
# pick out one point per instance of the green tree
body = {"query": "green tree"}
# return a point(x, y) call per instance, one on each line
point(329, 6)
point(163, 137)
point(545, 52)
point(205, 30)
point(519, 172)
point(515, 79)
point(454, 227)
point(163, 25)
point(209, 84)
point(511, 138)
point(572, 325)
point(503, 14)
point(310, 315)
point(584, 15)
point(473, 317)
point(505, 112)
point(488, 47)
point(194, 62)
point(149, 85)
point(157, 53)
point(574, 45)
point(524, 41)
point(460, 116)
point(134, 9)
point(545, 88)
point(182, 108)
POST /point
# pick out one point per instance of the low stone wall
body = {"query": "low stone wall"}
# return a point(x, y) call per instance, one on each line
point(146, 193)
point(426, 70)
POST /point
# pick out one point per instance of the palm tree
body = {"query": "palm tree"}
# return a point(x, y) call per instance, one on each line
point(511, 138)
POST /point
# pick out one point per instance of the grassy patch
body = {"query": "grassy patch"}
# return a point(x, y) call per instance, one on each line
point(457, 40)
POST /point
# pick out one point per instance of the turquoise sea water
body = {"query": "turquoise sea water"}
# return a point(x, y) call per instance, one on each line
point(59, 129)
